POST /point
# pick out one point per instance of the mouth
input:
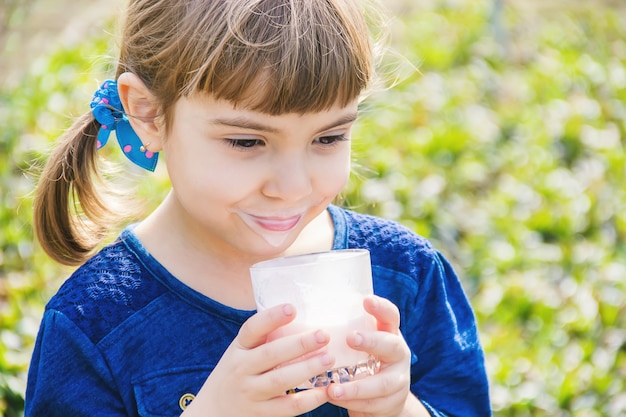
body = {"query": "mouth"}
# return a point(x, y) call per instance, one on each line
point(275, 228)
point(274, 223)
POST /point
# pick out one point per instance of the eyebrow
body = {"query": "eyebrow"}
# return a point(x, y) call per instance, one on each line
point(245, 123)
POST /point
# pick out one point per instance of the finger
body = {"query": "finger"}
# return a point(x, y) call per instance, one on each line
point(385, 311)
point(370, 406)
point(297, 374)
point(254, 331)
point(387, 347)
point(296, 404)
point(377, 389)
point(288, 349)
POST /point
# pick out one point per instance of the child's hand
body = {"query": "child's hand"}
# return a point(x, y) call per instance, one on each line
point(246, 381)
point(386, 393)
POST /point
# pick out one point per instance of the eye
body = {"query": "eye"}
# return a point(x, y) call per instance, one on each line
point(331, 140)
point(245, 143)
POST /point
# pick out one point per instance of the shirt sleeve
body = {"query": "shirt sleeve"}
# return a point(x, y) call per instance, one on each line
point(448, 371)
point(68, 376)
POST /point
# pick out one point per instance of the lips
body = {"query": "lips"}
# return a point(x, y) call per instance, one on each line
point(274, 229)
point(277, 224)
point(271, 223)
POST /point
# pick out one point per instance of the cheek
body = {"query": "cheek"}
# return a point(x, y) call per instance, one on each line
point(209, 178)
point(197, 172)
point(332, 176)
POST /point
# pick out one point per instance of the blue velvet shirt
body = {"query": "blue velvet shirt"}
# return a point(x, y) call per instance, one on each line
point(123, 337)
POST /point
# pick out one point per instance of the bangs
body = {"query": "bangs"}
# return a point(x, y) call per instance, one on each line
point(279, 56)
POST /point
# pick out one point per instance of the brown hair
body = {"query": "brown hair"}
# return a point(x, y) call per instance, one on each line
point(272, 56)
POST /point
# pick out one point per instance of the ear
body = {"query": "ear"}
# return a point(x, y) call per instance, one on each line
point(142, 110)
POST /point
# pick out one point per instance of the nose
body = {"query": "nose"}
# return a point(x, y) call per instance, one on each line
point(290, 178)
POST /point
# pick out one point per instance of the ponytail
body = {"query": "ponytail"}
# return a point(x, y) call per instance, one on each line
point(70, 214)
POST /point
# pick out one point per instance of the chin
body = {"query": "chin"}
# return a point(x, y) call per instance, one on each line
point(267, 251)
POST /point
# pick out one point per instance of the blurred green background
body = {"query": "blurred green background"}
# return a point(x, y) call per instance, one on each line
point(507, 150)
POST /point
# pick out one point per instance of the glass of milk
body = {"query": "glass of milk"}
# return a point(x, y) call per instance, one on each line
point(327, 290)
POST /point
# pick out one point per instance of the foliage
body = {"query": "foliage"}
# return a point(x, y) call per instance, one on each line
point(32, 114)
point(510, 155)
point(507, 150)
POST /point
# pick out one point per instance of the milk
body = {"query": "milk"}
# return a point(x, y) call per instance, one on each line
point(344, 355)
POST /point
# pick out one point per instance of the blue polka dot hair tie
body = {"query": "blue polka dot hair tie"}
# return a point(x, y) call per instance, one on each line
point(108, 111)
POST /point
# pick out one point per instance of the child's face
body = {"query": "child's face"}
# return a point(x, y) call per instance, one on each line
point(249, 182)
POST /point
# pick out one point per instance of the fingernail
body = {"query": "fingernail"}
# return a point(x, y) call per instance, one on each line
point(321, 337)
point(338, 391)
point(288, 310)
point(358, 339)
point(326, 359)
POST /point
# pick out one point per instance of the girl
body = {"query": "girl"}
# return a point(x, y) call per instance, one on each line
point(252, 103)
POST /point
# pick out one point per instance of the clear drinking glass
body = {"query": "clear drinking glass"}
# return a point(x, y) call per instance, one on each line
point(327, 290)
